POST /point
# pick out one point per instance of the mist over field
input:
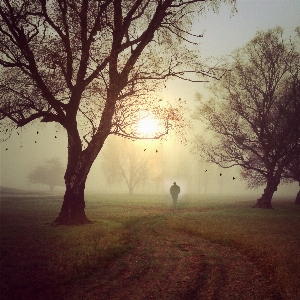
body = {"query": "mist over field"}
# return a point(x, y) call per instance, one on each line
point(31, 147)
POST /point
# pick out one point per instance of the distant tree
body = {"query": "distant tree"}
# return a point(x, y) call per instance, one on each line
point(126, 162)
point(51, 173)
point(90, 66)
point(253, 121)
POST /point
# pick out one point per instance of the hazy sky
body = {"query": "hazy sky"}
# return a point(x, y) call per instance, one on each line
point(224, 33)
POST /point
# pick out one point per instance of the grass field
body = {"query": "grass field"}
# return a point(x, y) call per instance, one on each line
point(206, 248)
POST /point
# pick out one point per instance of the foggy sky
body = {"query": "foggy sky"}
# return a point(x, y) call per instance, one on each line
point(223, 34)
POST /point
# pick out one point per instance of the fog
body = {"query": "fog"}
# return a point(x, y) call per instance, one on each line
point(168, 161)
point(34, 144)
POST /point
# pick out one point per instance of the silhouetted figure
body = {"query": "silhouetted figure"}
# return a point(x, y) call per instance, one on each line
point(174, 191)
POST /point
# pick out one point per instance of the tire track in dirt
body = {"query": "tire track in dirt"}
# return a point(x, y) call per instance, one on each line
point(169, 264)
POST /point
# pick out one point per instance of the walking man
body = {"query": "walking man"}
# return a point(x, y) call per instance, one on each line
point(174, 191)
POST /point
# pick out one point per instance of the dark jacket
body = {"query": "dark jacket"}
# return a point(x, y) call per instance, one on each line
point(175, 189)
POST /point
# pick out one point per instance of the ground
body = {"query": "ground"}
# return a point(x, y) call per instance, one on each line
point(141, 247)
point(172, 264)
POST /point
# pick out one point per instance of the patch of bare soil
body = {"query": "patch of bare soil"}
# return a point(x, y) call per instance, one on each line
point(168, 264)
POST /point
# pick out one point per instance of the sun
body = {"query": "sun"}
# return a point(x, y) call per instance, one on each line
point(148, 126)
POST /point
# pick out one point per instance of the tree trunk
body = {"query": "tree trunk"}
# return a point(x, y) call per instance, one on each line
point(265, 200)
point(79, 164)
point(297, 200)
point(72, 210)
point(130, 190)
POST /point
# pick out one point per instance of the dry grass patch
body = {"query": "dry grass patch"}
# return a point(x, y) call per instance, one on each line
point(270, 237)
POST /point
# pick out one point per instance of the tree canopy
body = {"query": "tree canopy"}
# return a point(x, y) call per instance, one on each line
point(63, 60)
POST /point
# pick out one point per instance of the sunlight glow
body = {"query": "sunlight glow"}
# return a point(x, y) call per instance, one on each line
point(148, 126)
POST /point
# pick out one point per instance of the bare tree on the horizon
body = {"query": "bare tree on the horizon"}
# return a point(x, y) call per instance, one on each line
point(51, 173)
point(125, 162)
point(254, 119)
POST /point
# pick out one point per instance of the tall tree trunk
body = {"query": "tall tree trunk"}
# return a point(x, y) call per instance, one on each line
point(265, 200)
point(79, 160)
point(79, 164)
point(72, 210)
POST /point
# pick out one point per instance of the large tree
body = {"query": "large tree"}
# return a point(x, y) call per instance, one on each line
point(292, 169)
point(89, 66)
point(253, 122)
point(290, 106)
point(51, 173)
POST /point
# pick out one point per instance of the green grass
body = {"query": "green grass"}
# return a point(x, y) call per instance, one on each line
point(40, 261)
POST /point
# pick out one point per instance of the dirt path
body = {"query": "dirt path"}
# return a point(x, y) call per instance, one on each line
point(168, 264)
